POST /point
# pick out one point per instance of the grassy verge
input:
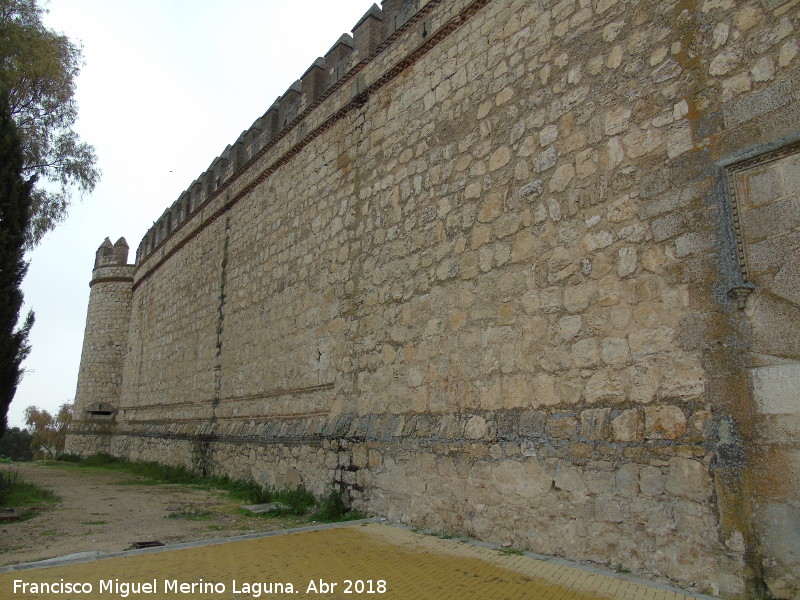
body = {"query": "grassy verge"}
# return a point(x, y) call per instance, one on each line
point(298, 502)
point(151, 472)
point(26, 497)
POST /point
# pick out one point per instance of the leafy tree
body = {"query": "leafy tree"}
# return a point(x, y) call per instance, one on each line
point(15, 210)
point(16, 444)
point(48, 432)
point(38, 68)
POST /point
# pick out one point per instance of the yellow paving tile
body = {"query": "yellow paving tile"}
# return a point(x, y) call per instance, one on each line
point(355, 562)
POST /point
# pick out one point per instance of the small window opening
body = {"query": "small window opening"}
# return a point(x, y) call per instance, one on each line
point(100, 411)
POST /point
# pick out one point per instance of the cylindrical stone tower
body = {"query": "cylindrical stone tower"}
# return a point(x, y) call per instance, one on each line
point(105, 342)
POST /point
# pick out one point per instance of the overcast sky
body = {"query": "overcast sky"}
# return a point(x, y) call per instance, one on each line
point(166, 85)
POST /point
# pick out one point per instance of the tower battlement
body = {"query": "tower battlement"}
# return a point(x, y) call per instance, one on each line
point(109, 254)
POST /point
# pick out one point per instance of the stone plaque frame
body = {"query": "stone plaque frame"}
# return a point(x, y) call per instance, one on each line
point(734, 251)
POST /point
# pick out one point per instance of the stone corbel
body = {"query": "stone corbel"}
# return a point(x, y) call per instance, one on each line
point(740, 293)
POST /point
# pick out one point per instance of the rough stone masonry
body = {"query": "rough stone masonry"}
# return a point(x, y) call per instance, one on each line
point(520, 269)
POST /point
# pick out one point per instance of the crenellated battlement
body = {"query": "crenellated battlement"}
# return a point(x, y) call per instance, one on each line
point(484, 267)
point(350, 52)
point(109, 254)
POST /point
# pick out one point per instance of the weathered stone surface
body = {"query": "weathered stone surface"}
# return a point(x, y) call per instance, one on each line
point(783, 546)
point(651, 481)
point(650, 342)
point(777, 388)
point(476, 428)
point(561, 427)
point(500, 158)
point(759, 223)
point(545, 160)
point(595, 423)
point(627, 261)
point(614, 351)
point(561, 178)
point(569, 479)
point(627, 426)
point(786, 283)
point(771, 315)
point(604, 386)
point(473, 284)
point(533, 189)
point(617, 120)
point(753, 105)
point(627, 480)
point(687, 478)
point(585, 353)
point(664, 422)
point(726, 61)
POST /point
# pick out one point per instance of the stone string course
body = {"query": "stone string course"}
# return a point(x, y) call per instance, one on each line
point(478, 272)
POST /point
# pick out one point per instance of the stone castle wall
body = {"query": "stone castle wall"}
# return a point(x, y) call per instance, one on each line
point(493, 276)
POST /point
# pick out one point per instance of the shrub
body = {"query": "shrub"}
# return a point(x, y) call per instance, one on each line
point(333, 509)
point(299, 500)
point(8, 483)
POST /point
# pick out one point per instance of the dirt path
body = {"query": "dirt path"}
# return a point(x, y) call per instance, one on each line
point(108, 511)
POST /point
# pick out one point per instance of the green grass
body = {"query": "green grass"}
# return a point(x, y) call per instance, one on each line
point(298, 502)
point(19, 494)
point(15, 492)
point(512, 551)
point(155, 473)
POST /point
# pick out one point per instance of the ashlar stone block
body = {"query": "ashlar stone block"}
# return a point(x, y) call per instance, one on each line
point(664, 422)
point(688, 478)
point(777, 388)
point(627, 426)
point(595, 423)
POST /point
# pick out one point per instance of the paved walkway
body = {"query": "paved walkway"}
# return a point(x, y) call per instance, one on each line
point(379, 562)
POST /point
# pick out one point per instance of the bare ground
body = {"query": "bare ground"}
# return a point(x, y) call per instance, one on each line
point(109, 511)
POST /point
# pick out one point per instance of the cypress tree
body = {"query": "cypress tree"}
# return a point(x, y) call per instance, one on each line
point(15, 216)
